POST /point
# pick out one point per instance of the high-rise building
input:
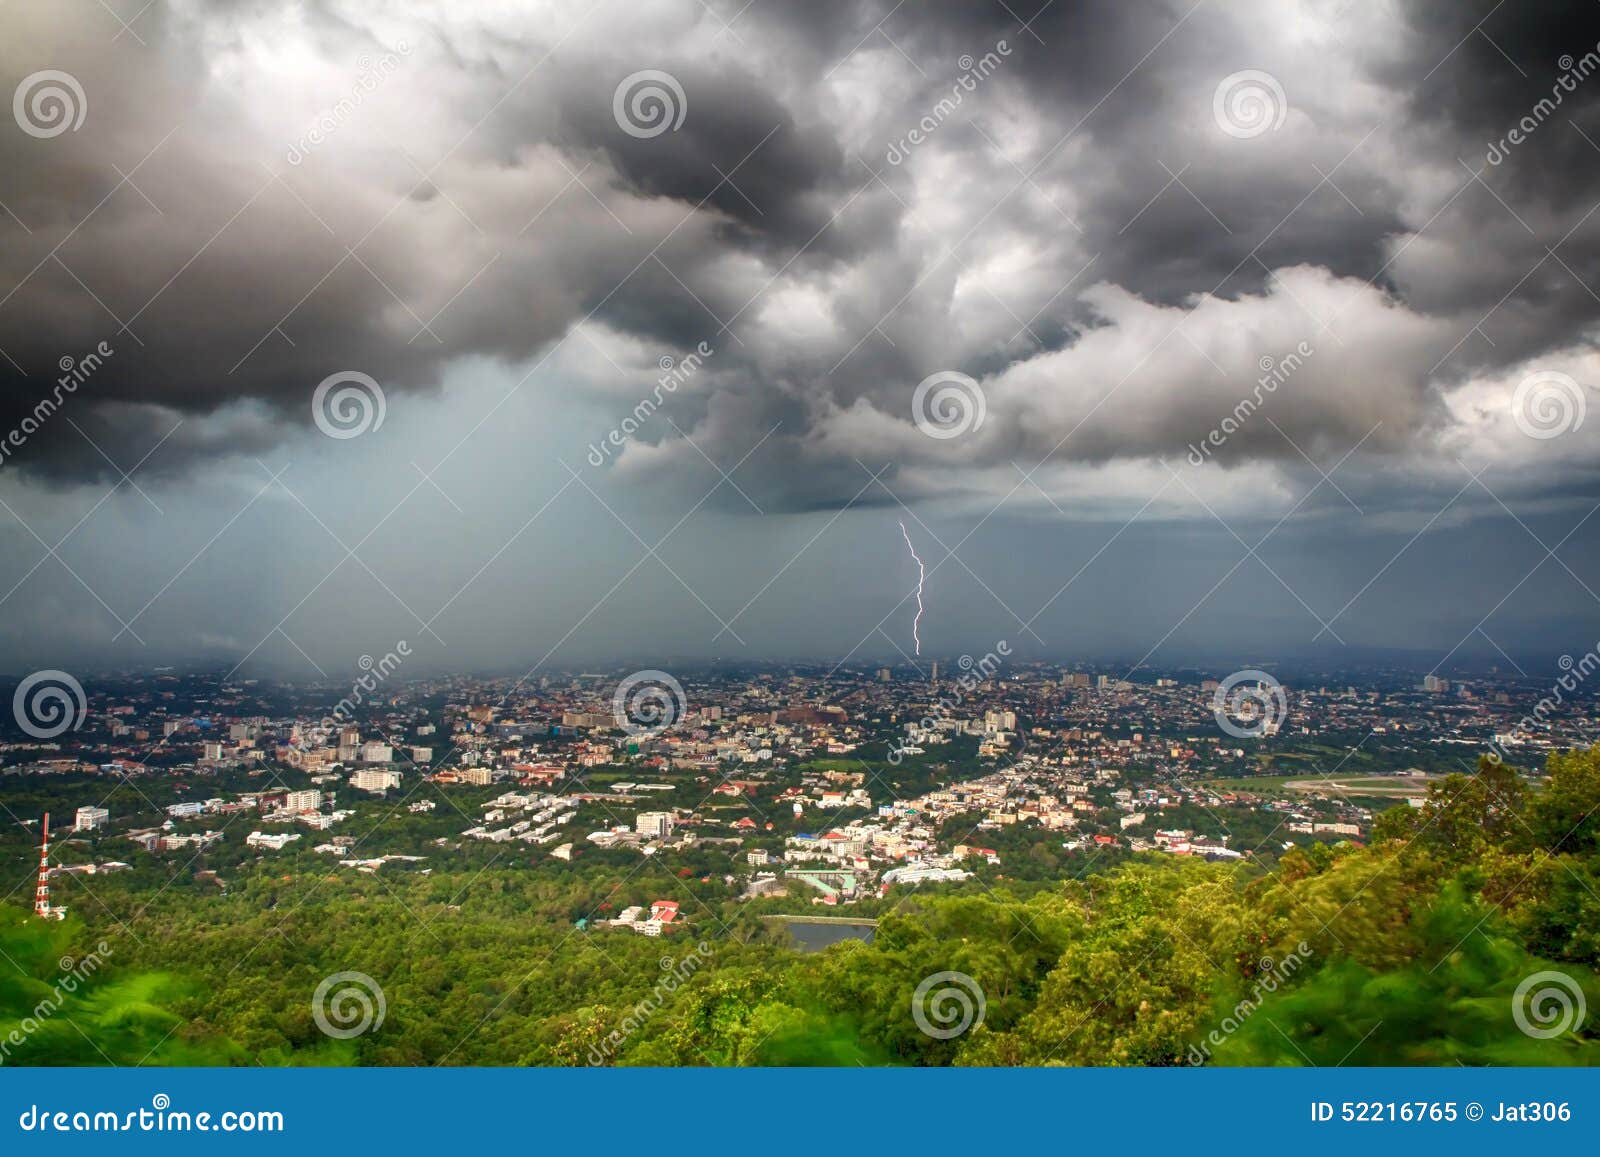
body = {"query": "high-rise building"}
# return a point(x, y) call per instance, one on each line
point(656, 825)
point(303, 801)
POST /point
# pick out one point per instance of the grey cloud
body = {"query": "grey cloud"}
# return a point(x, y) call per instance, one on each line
point(1090, 153)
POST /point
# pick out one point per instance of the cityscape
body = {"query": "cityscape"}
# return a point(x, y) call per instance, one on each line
point(829, 788)
point(752, 809)
point(549, 540)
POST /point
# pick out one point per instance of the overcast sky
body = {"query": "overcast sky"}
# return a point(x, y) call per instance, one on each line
point(1098, 227)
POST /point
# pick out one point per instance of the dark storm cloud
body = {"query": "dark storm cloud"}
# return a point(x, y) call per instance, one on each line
point(741, 155)
point(1476, 69)
point(1076, 230)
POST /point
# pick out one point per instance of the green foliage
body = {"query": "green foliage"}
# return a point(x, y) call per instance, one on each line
point(58, 1007)
point(1409, 951)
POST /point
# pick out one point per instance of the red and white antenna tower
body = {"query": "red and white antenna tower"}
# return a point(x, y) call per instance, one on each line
point(41, 897)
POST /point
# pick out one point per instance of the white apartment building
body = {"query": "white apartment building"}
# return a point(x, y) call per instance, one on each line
point(657, 825)
point(374, 779)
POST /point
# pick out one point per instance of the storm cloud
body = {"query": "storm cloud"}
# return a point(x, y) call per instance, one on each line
point(1203, 249)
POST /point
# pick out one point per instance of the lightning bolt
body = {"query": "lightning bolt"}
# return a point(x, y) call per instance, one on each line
point(922, 575)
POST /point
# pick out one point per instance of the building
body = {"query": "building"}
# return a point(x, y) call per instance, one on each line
point(657, 825)
point(374, 779)
point(374, 751)
point(999, 721)
point(302, 801)
point(275, 841)
point(91, 819)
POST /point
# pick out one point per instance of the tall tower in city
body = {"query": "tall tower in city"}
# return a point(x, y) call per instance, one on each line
point(41, 895)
